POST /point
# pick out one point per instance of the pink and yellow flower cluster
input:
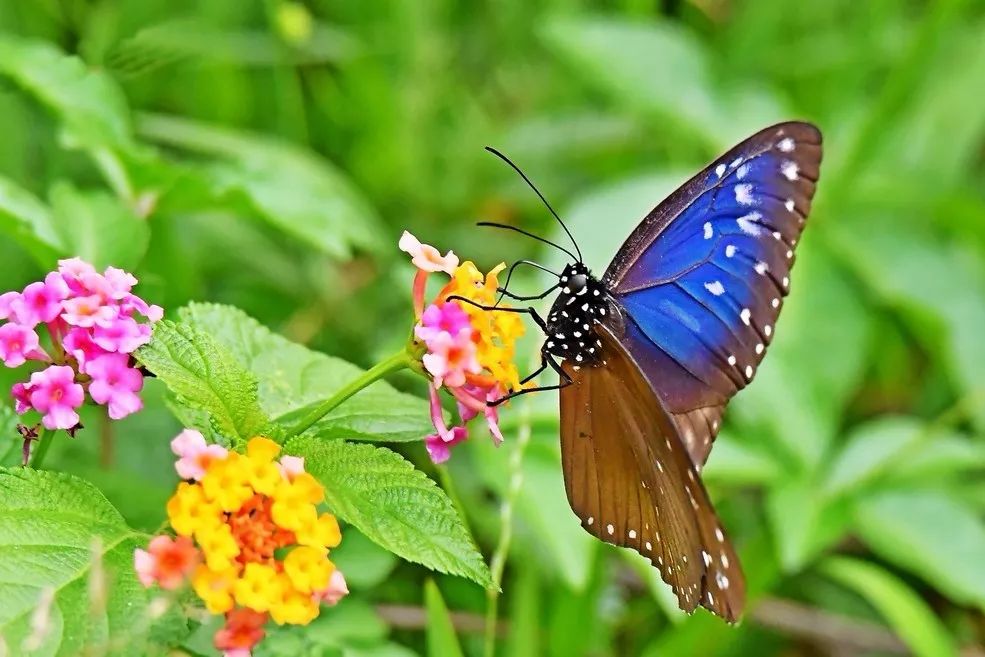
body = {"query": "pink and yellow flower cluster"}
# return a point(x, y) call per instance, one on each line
point(468, 351)
point(249, 538)
point(92, 327)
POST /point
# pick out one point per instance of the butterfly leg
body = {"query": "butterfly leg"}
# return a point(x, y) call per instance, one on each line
point(504, 292)
point(509, 274)
point(527, 311)
point(545, 361)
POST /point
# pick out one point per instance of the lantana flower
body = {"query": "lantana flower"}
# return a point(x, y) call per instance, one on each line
point(82, 326)
point(250, 540)
point(467, 351)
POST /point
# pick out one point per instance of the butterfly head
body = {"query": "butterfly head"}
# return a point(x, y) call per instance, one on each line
point(581, 305)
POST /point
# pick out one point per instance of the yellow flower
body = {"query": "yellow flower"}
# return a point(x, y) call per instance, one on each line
point(189, 511)
point(215, 588)
point(218, 546)
point(308, 568)
point(227, 482)
point(264, 476)
point(294, 501)
point(259, 587)
point(322, 533)
point(262, 449)
point(295, 607)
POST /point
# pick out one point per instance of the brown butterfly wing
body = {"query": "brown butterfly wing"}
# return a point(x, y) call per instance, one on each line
point(629, 478)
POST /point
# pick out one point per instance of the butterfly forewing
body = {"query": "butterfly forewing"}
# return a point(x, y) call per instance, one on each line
point(704, 275)
point(629, 478)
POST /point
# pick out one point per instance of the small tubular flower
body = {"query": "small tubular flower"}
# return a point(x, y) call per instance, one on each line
point(261, 547)
point(465, 348)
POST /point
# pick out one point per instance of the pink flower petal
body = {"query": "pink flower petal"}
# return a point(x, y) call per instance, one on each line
point(425, 257)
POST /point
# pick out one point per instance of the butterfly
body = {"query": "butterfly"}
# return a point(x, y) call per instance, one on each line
point(649, 354)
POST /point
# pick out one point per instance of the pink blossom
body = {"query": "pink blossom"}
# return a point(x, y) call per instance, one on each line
point(56, 395)
point(120, 282)
point(194, 454)
point(18, 344)
point(448, 317)
point(425, 257)
point(167, 561)
point(291, 466)
point(115, 384)
point(472, 400)
point(124, 335)
point(21, 392)
point(72, 270)
point(7, 300)
point(336, 590)
point(88, 311)
point(132, 303)
point(78, 344)
point(40, 302)
point(439, 448)
point(450, 358)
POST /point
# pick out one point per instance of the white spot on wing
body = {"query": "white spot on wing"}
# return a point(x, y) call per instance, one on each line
point(761, 268)
point(708, 231)
point(730, 250)
point(748, 371)
point(743, 194)
point(785, 145)
point(789, 170)
point(731, 360)
point(716, 288)
point(632, 533)
point(748, 223)
point(610, 529)
point(742, 172)
point(767, 330)
point(744, 316)
point(789, 205)
point(720, 170)
point(736, 162)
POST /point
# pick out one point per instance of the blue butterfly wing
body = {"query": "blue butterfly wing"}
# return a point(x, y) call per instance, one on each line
point(702, 279)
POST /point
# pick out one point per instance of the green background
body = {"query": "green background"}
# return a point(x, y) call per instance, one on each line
point(269, 154)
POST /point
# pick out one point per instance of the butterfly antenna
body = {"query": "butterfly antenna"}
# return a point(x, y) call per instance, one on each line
point(537, 191)
point(536, 237)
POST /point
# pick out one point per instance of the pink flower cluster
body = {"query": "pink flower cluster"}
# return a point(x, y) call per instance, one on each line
point(453, 344)
point(92, 328)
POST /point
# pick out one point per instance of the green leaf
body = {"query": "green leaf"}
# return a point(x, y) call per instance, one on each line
point(902, 608)
point(395, 505)
point(295, 191)
point(734, 462)
point(98, 227)
point(804, 521)
point(441, 638)
point(62, 540)
point(659, 67)
point(364, 563)
point(293, 378)
point(870, 448)
point(206, 380)
point(89, 104)
point(930, 534)
point(28, 221)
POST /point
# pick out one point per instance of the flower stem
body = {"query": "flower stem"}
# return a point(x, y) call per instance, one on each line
point(41, 450)
point(498, 563)
point(397, 361)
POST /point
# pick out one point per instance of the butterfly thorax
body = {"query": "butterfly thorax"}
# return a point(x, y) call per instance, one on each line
point(581, 304)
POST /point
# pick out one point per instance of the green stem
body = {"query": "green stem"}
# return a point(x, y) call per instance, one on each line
point(499, 557)
point(397, 361)
point(41, 449)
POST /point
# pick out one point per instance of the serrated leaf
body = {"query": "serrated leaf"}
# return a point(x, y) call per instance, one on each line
point(27, 220)
point(61, 538)
point(931, 535)
point(393, 504)
point(206, 379)
point(902, 607)
point(291, 378)
point(294, 190)
point(90, 105)
point(441, 638)
point(99, 227)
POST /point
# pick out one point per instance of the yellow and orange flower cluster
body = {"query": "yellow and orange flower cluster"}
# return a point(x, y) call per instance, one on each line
point(495, 333)
point(250, 535)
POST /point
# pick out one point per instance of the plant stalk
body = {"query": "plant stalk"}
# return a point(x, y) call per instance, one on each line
point(498, 563)
point(397, 361)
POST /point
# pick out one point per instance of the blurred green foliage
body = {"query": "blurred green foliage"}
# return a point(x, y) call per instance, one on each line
point(268, 154)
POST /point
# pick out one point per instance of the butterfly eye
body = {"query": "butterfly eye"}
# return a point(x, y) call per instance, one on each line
point(577, 282)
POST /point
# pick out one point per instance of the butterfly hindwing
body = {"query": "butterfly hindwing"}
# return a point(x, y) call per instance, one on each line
point(702, 279)
point(630, 480)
